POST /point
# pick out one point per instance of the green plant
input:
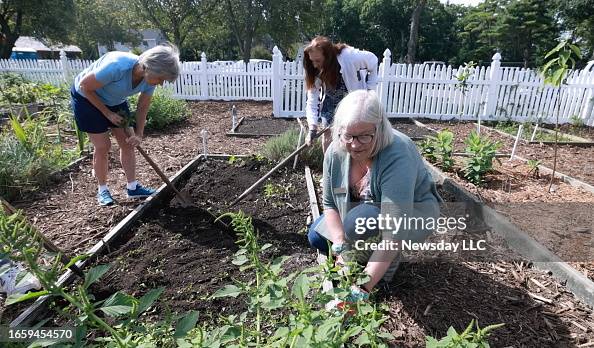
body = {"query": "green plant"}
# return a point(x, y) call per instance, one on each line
point(272, 190)
point(533, 168)
point(483, 152)
point(466, 339)
point(438, 149)
point(560, 61)
point(462, 77)
point(279, 147)
point(164, 109)
point(17, 90)
point(576, 121)
point(288, 310)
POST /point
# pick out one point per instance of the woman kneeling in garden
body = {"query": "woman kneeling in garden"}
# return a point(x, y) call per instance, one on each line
point(371, 172)
point(99, 100)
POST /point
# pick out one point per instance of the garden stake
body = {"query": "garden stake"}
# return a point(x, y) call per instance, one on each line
point(534, 132)
point(267, 175)
point(47, 243)
point(233, 119)
point(184, 200)
point(204, 147)
point(516, 142)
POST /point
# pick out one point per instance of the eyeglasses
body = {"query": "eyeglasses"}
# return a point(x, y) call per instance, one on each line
point(362, 139)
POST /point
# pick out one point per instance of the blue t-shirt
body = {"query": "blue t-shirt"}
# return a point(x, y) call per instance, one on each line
point(114, 71)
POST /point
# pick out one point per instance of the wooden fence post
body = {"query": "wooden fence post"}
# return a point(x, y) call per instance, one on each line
point(277, 83)
point(203, 77)
point(384, 70)
point(494, 83)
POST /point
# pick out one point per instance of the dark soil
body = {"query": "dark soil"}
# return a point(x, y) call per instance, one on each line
point(408, 127)
point(182, 249)
point(266, 126)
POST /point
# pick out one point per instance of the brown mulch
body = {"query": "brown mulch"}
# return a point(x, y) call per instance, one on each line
point(266, 126)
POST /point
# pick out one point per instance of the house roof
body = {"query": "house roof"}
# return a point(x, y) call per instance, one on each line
point(38, 45)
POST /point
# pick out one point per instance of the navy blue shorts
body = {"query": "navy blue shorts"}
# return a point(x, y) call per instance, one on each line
point(88, 118)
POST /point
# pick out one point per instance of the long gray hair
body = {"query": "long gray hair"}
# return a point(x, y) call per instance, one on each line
point(161, 61)
point(363, 106)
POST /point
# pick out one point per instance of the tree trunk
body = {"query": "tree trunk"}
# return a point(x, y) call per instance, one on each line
point(413, 39)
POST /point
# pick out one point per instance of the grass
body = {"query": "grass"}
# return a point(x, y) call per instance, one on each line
point(512, 129)
point(279, 147)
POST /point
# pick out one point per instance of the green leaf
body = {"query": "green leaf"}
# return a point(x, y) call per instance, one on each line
point(16, 298)
point(556, 49)
point(227, 291)
point(576, 51)
point(119, 299)
point(148, 299)
point(117, 310)
point(363, 339)
point(185, 324)
point(94, 274)
point(301, 287)
point(265, 246)
point(19, 131)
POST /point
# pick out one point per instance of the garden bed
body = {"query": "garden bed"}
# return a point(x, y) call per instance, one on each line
point(66, 211)
point(263, 126)
point(183, 250)
point(575, 161)
point(560, 220)
point(410, 128)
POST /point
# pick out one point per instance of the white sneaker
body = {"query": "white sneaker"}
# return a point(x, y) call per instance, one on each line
point(18, 281)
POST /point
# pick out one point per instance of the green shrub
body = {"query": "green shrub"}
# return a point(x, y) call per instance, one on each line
point(164, 109)
point(27, 158)
point(483, 152)
point(15, 89)
point(438, 149)
point(279, 147)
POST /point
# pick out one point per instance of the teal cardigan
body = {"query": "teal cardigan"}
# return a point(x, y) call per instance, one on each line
point(399, 181)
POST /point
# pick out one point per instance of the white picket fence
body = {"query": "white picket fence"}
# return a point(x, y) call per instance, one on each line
point(419, 90)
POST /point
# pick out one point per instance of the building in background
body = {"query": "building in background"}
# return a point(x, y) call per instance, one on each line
point(150, 39)
point(28, 47)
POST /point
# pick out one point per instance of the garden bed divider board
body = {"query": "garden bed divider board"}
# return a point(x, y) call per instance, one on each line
point(40, 306)
point(315, 213)
point(523, 244)
point(234, 129)
point(582, 143)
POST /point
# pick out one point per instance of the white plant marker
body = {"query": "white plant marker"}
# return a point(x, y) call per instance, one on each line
point(516, 142)
point(233, 118)
point(534, 132)
point(203, 133)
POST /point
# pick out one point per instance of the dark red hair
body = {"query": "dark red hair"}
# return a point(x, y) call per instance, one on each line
point(330, 69)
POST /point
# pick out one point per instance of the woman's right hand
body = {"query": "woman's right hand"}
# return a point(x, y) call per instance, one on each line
point(114, 118)
point(310, 135)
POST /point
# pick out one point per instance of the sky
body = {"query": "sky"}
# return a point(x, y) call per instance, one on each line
point(463, 2)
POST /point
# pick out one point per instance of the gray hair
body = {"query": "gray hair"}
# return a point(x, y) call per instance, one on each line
point(161, 61)
point(363, 106)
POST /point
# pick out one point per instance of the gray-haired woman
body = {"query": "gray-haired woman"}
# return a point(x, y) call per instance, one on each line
point(99, 98)
point(368, 164)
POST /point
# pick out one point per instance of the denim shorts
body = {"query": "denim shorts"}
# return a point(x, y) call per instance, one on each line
point(88, 118)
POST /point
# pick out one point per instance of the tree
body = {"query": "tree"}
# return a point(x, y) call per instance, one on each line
point(49, 19)
point(103, 22)
point(577, 17)
point(413, 39)
point(177, 19)
point(245, 18)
